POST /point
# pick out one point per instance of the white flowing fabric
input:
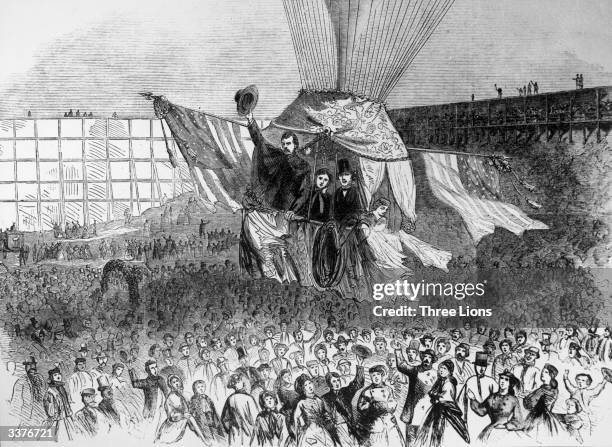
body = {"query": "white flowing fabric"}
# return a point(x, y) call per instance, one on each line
point(480, 216)
point(401, 179)
point(388, 248)
point(372, 173)
point(266, 232)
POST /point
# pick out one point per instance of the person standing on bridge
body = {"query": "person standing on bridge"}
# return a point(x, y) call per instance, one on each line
point(499, 91)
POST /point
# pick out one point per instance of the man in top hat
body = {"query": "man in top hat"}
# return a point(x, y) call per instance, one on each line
point(57, 406)
point(478, 387)
point(347, 203)
point(79, 380)
point(28, 393)
point(526, 371)
point(348, 208)
point(107, 405)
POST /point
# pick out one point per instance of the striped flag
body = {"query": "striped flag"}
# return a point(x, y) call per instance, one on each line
point(471, 187)
point(218, 153)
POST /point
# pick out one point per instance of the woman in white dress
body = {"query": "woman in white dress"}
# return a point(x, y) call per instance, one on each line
point(388, 247)
point(178, 418)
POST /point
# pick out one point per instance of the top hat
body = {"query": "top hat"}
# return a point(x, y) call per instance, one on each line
point(344, 166)
point(246, 99)
point(481, 359)
point(83, 348)
point(103, 383)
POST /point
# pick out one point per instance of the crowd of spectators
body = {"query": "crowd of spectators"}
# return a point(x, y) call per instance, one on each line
point(223, 334)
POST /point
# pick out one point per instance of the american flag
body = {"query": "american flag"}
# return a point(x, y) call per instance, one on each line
point(471, 186)
point(217, 151)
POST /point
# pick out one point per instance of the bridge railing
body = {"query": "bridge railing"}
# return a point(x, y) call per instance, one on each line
point(556, 113)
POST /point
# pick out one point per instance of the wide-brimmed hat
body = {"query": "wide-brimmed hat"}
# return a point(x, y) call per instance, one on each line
point(361, 351)
point(534, 350)
point(246, 99)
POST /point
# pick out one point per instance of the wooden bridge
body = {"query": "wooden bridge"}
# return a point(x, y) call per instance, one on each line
point(575, 116)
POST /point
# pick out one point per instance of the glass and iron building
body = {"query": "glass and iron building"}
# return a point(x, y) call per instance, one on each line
point(84, 170)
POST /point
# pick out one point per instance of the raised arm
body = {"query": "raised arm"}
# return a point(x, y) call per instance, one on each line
point(136, 382)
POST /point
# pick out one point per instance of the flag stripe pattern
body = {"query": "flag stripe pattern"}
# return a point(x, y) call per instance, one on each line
point(480, 215)
point(218, 150)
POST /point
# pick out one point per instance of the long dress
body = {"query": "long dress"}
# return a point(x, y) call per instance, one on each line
point(541, 422)
point(205, 414)
point(270, 430)
point(174, 427)
point(377, 405)
point(388, 247)
point(443, 409)
point(238, 417)
point(503, 410)
point(313, 424)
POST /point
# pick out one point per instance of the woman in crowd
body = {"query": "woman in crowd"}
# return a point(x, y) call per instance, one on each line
point(270, 425)
point(313, 425)
point(178, 418)
point(541, 422)
point(443, 409)
point(203, 410)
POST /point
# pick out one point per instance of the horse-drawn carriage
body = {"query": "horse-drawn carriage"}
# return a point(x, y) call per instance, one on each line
point(11, 241)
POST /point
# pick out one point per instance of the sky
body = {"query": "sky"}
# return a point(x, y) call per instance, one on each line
point(96, 56)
